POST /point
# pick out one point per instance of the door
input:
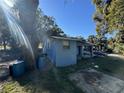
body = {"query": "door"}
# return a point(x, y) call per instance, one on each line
point(79, 50)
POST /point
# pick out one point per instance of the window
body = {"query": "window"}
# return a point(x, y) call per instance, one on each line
point(66, 44)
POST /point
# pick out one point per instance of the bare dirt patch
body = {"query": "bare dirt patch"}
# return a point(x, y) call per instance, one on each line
point(92, 81)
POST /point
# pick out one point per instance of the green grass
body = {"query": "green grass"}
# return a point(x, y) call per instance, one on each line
point(37, 82)
point(108, 65)
point(56, 79)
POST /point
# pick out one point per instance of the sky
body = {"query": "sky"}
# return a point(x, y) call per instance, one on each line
point(74, 17)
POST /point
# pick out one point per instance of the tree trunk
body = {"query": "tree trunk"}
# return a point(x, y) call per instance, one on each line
point(27, 13)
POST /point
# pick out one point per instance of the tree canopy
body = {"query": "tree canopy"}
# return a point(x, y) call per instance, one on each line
point(109, 15)
point(46, 26)
point(5, 35)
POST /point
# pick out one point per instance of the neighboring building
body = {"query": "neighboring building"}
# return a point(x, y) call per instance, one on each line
point(64, 51)
point(87, 50)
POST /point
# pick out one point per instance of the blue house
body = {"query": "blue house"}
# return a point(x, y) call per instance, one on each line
point(63, 51)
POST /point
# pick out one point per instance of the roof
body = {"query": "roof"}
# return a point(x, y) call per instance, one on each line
point(72, 39)
point(67, 38)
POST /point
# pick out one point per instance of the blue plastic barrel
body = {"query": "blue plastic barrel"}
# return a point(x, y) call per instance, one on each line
point(18, 68)
point(41, 63)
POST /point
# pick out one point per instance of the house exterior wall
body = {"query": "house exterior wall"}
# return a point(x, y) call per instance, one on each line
point(65, 56)
point(49, 48)
point(59, 55)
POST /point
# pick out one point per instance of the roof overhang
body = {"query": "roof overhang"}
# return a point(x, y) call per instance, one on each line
point(67, 38)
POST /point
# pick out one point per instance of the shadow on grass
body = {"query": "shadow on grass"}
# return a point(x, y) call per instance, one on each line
point(41, 82)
